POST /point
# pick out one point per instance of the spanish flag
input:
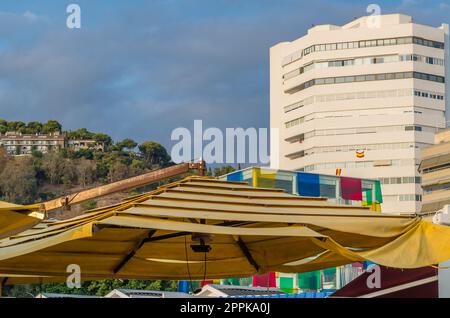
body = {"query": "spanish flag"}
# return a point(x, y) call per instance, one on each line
point(360, 153)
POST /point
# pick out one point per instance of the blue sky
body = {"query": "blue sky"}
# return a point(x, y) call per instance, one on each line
point(141, 68)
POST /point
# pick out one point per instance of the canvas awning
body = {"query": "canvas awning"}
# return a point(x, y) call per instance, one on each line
point(252, 230)
point(17, 218)
point(434, 162)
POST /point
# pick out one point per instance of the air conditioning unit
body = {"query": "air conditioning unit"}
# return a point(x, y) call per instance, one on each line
point(442, 216)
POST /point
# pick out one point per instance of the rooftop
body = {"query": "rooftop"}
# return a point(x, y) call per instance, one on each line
point(233, 290)
point(138, 293)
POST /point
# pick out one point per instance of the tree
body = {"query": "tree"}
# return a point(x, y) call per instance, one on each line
point(51, 126)
point(154, 153)
point(81, 134)
point(18, 180)
point(3, 158)
point(223, 170)
point(96, 287)
point(34, 127)
point(127, 143)
point(53, 165)
point(85, 171)
point(117, 171)
point(15, 125)
point(103, 138)
point(69, 172)
point(3, 126)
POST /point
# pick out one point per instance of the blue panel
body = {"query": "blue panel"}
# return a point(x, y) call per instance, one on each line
point(183, 286)
point(308, 184)
point(235, 176)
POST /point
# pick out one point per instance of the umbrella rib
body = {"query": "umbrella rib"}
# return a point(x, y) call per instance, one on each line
point(247, 253)
point(130, 255)
point(178, 234)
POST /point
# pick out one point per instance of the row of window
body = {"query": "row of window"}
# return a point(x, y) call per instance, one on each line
point(369, 130)
point(360, 130)
point(350, 114)
point(400, 180)
point(363, 95)
point(366, 78)
point(294, 122)
point(360, 44)
point(372, 113)
point(402, 197)
point(410, 197)
point(363, 61)
point(422, 59)
point(354, 148)
point(28, 147)
point(356, 164)
point(29, 142)
point(436, 187)
point(428, 95)
point(437, 168)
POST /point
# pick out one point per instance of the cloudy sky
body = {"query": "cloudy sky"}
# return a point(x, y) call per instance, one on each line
point(141, 68)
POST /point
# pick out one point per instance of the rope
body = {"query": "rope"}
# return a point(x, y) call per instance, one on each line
point(204, 274)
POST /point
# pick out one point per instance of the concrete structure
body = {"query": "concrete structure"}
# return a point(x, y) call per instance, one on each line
point(363, 97)
point(55, 295)
point(17, 143)
point(216, 290)
point(140, 293)
point(23, 144)
point(435, 171)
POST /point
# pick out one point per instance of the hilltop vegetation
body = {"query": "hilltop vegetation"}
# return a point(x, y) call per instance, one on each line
point(43, 176)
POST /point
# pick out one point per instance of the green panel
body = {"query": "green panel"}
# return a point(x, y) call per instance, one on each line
point(329, 271)
point(246, 281)
point(369, 194)
point(287, 284)
point(232, 281)
point(378, 196)
point(309, 281)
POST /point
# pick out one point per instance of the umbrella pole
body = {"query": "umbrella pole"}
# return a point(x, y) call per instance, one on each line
point(2, 285)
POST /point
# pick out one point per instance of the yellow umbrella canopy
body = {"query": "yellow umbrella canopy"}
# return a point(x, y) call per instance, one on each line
point(16, 218)
point(204, 228)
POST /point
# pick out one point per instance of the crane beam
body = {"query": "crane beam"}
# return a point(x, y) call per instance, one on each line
point(123, 185)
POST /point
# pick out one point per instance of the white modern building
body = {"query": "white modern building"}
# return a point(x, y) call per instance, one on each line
point(363, 98)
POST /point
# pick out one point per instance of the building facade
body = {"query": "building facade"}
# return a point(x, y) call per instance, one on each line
point(361, 99)
point(435, 171)
point(24, 144)
point(79, 144)
point(17, 144)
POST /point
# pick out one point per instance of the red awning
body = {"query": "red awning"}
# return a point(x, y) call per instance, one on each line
point(395, 283)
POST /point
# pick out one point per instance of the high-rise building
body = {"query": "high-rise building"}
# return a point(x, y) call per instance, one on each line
point(361, 100)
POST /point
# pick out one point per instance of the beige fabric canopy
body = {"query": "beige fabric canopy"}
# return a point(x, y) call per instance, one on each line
point(17, 218)
point(250, 230)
